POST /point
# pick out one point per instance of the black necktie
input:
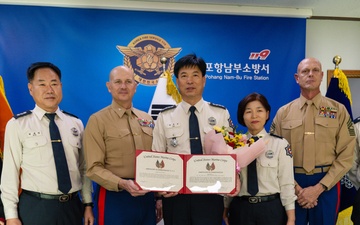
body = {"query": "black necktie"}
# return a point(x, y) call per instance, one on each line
point(195, 139)
point(62, 170)
point(252, 186)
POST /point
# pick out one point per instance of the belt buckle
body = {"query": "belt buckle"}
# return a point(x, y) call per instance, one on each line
point(64, 198)
point(310, 173)
point(253, 200)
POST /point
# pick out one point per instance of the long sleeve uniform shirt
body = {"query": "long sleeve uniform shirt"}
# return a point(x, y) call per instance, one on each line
point(110, 143)
point(28, 146)
point(334, 135)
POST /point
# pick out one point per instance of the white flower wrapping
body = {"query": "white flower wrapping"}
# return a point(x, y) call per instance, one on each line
point(215, 144)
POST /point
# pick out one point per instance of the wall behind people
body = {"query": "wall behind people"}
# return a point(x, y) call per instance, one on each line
point(327, 38)
point(83, 43)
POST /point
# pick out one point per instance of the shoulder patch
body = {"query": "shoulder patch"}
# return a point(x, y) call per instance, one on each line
point(274, 135)
point(288, 151)
point(217, 105)
point(69, 114)
point(169, 107)
point(357, 120)
point(22, 114)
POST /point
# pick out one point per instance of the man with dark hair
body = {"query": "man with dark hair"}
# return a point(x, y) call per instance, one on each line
point(45, 143)
point(173, 133)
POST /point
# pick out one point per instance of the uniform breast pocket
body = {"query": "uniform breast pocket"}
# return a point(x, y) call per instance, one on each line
point(325, 129)
point(119, 142)
point(268, 169)
point(37, 151)
point(147, 136)
point(173, 130)
point(175, 139)
point(292, 129)
point(114, 134)
point(75, 143)
point(148, 131)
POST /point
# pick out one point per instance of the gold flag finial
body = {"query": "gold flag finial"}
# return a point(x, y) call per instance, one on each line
point(163, 61)
point(337, 61)
point(171, 88)
point(343, 81)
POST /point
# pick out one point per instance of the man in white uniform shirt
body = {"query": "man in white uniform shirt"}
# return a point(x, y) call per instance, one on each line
point(28, 153)
point(172, 133)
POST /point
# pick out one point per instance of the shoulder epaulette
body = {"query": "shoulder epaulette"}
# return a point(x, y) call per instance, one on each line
point(22, 114)
point(217, 105)
point(169, 107)
point(357, 120)
point(70, 114)
point(274, 135)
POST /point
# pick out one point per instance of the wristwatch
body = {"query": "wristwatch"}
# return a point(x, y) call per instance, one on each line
point(89, 204)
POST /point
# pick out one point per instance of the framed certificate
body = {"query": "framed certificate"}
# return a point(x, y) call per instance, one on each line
point(158, 171)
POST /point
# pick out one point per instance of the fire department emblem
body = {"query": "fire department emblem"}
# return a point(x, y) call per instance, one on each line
point(143, 56)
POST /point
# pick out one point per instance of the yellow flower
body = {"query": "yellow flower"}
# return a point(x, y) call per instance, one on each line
point(233, 139)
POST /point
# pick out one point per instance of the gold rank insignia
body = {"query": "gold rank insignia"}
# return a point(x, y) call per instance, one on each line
point(350, 126)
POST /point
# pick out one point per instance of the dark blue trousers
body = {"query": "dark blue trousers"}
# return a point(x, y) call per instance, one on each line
point(326, 212)
point(120, 208)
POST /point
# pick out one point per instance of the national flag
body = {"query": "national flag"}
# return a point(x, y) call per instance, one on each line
point(5, 114)
point(339, 90)
point(166, 94)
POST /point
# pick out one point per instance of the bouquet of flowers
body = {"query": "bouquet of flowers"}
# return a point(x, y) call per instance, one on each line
point(223, 141)
point(233, 139)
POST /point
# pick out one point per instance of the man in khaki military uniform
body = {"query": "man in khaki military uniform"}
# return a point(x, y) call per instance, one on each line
point(110, 139)
point(319, 166)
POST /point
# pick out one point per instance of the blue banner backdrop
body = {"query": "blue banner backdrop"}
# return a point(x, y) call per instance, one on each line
point(243, 53)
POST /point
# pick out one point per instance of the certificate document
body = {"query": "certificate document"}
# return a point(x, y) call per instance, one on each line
point(158, 171)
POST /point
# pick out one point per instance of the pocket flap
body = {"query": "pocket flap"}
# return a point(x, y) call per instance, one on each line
point(291, 124)
point(326, 122)
point(35, 142)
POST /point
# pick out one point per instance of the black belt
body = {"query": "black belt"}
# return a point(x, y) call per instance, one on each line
point(60, 198)
point(258, 199)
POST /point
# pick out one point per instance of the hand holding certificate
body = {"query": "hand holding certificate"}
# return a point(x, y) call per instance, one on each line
point(188, 174)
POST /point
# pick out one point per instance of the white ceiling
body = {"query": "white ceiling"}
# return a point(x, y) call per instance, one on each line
point(320, 8)
point(335, 9)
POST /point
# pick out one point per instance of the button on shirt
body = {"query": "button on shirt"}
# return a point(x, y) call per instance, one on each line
point(110, 144)
point(334, 135)
point(171, 132)
point(28, 146)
